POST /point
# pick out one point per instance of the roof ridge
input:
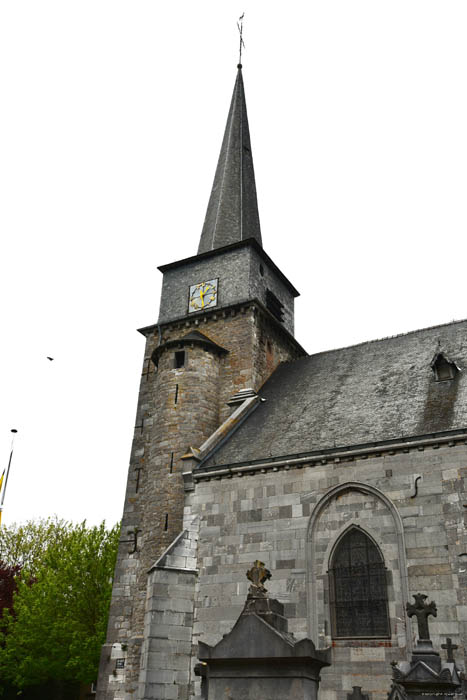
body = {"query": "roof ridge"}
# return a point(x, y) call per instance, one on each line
point(387, 337)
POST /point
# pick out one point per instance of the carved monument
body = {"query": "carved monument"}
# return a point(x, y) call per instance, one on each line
point(426, 676)
point(259, 658)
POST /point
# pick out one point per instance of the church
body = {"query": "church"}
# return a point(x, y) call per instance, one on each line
point(343, 474)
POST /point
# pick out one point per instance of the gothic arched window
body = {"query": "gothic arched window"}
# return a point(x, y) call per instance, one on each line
point(358, 590)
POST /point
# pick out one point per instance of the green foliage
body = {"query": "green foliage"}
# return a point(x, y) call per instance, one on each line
point(25, 544)
point(61, 606)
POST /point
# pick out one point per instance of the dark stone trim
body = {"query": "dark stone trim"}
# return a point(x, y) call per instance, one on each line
point(187, 341)
point(147, 330)
point(391, 447)
point(196, 320)
point(233, 429)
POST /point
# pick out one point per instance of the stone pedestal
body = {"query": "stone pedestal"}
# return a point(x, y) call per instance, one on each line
point(260, 659)
point(425, 676)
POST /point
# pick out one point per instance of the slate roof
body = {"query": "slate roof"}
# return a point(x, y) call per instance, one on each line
point(232, 213)
point(378, 391)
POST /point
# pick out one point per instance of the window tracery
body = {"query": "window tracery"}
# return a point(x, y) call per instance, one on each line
point(358, 588)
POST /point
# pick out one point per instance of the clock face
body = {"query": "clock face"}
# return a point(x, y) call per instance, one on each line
point(203, 296)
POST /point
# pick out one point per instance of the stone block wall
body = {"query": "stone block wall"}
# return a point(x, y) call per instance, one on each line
point(291, 517)
point(177, 408)
point(255, 342)
point(165, 667)
point(231, 269)
point(112, 681)
point(243, 274)
point(264, 277)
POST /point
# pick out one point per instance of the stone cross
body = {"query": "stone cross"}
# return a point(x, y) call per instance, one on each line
point(421, 610)
point(257, 575)
point(450, 649)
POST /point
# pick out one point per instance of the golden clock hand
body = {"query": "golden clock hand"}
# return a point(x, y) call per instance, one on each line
point(201, 295)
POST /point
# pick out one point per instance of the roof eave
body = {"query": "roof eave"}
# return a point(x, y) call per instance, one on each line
point(234, 246)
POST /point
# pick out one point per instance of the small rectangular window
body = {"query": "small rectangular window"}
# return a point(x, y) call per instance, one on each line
point(179, 360)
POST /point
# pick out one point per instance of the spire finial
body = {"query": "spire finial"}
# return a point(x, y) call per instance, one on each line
point(232, 214)
point(242, 43)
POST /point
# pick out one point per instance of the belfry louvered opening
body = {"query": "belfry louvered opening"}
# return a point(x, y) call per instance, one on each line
point(275, 306)
point(358, 589)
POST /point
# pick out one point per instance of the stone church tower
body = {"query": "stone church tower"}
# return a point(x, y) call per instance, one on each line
point(226, 321)
point(344, 473)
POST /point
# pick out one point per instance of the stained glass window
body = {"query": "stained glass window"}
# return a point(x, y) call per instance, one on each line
point(358, 589)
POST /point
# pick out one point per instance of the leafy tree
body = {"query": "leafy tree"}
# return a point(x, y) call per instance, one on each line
point(25, 544)
point(8, 587)
point(60, 620)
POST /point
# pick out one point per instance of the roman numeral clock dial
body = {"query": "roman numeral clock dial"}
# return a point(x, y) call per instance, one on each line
point(203, 296)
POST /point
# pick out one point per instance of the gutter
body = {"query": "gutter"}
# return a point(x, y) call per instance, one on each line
point(333, 456)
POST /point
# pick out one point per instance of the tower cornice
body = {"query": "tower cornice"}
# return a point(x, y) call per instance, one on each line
point(240, 307)
point(233, 246)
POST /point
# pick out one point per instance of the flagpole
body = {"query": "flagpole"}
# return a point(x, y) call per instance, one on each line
point(7, 473)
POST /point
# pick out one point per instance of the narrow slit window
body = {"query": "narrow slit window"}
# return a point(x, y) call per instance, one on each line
point(176, 393)
point(166, 524)
point(171, 462)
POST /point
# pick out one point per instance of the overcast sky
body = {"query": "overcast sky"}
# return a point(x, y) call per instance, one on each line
point(110, 126)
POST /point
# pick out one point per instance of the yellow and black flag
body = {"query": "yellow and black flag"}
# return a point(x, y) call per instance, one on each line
point(1, 484)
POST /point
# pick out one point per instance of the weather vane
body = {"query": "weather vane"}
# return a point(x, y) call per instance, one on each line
point(242, 43)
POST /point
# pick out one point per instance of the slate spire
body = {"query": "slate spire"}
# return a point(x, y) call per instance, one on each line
point(232, 213)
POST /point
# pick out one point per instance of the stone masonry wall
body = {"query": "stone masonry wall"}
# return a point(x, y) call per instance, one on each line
point(291, 518)
point(111, 681)
point(256, 345)
point(231, 269)
point(186, 411)
point(177, 408)
point(165, 668)
point(243, 275)
point(262, 277)
point(179, 405)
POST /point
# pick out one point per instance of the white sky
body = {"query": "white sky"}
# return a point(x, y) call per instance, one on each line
point(112, 115)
